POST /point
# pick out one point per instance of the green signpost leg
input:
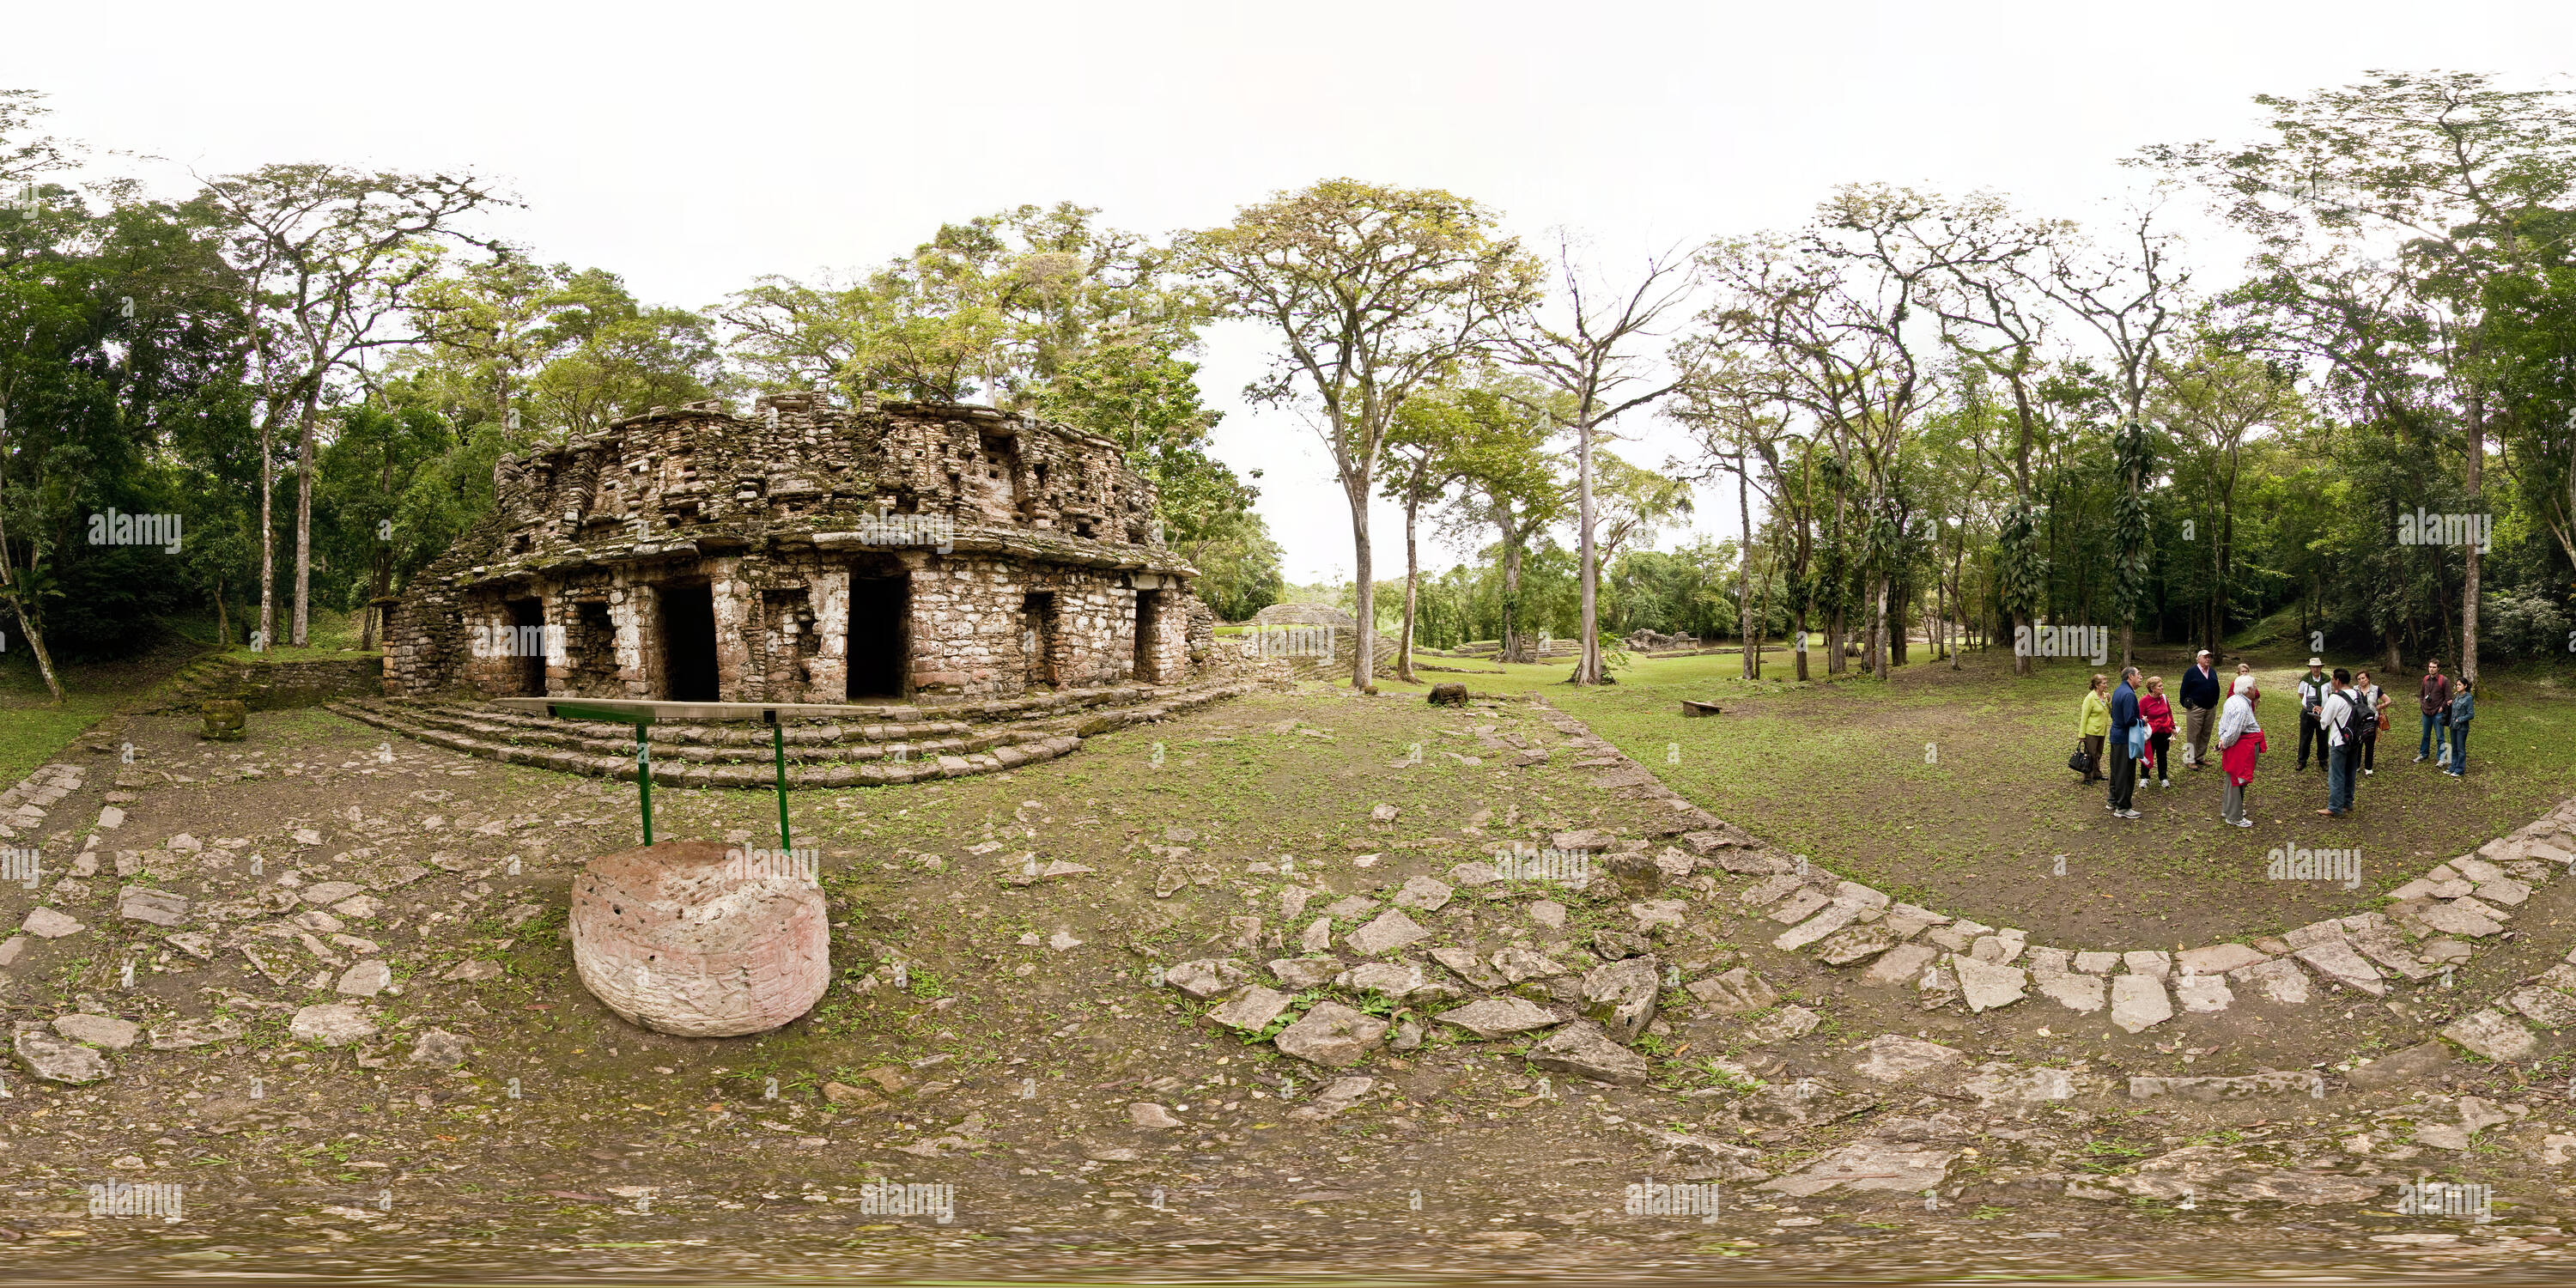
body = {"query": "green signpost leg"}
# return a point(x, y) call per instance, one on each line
point(644, 775)
point(778, 745)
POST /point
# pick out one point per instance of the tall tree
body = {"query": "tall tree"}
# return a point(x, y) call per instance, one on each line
point(1374, 292)
point(327, 258)
point(1591, 358)
point(2384, 210)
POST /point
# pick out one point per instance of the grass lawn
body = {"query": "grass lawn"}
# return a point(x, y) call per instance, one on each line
point(1950, 788)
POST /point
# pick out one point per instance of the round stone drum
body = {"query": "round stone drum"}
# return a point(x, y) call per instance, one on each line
point(699, 939)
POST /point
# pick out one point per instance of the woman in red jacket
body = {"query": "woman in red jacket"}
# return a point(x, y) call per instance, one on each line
point(2158, 714)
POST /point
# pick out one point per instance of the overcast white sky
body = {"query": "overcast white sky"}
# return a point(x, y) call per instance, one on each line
point(694, 147)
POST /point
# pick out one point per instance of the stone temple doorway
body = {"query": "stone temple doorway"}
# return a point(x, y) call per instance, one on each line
point(688, 643)
point(1038, 638)
point(879, 652)
point(1149, 622)
point(528, 646)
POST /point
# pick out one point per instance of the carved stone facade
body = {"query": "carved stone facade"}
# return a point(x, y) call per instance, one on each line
point(913, 552)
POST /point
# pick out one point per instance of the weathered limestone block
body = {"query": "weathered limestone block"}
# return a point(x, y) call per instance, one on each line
point(675, 938)
point(225, 719)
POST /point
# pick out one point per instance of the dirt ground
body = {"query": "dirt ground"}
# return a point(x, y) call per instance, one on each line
point(1029, 1025)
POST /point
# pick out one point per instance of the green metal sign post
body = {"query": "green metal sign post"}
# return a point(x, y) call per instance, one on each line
point(641, 715)
point(778, 749)
point(643, 722)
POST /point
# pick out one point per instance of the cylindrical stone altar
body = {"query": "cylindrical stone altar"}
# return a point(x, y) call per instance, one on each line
point(683, 939)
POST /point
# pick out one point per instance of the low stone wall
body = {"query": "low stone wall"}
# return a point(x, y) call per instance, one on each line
point(273, 686)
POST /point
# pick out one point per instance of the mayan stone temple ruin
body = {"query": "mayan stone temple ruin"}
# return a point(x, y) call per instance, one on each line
point(904, 572)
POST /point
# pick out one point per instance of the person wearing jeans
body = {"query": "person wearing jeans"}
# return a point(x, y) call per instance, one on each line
point(2464, 707)
point(2158, 714)
point(2374, 700)
point(2433, 697)
point(2124, 760)
point(2334, 721)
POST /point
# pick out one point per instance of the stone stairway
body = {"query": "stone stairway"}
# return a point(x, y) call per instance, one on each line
point(872, 745)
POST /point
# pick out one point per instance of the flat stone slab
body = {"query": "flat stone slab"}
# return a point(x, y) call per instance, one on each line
point(2544, 1005)
point(2094, 963)
point(56, 1059)
point(158, 907)
point(1423, 894)
point(2203, 993)
point(1207, 976)
point(2281, 981)
point(1782, 1025)
point(1892, 1057)
point(1584, 1051)
point(1900, 966)
point(2217, 959)
point(2335, 959)
point(98, 1030)
point(2454, 919)
point(48, 923)
point(2078, 993)
point(1736, 992)
point(2492, 1034)
point(1987, 985)
point(1496, 1017)
point(1390, 931)
point(333, 1024)
point(1251, 1010)
point(1869, 1164)
point(2138, 1002)
point(2297, 1082)
point(1333, 1035)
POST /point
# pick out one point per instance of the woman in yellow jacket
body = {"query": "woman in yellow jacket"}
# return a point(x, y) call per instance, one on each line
point(2092, 725)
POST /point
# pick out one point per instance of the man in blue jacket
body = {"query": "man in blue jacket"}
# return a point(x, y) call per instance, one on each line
point(2200, 698)
point(2124, 767)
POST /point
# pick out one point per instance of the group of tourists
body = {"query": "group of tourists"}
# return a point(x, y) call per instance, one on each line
point(2127, 732)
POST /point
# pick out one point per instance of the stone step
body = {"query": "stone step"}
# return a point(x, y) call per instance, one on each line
point(603, 739)
point(568, 748)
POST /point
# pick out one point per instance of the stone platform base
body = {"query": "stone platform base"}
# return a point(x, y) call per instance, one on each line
point(911, 745)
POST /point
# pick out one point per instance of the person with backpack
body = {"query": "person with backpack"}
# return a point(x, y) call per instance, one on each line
point(2463, 707)
point(2370, 715)
point(2092, 722)
point(2434, 697)
point(2312, 701)
point(2240, 742)
point(2334, 721)
point(2158, 714)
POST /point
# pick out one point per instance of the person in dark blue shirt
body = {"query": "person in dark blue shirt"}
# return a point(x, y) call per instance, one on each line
point(2200, 696)
point(2124, 757)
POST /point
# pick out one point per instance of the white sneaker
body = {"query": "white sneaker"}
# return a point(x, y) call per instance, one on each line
point(2130, 813)
point(2245, 822)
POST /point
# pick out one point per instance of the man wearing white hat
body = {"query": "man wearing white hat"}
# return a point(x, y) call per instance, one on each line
point(2312, 703)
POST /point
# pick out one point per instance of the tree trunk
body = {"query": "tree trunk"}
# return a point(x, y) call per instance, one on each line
point(1587, 667)
point(1745, 626)
point(2021, 656)
point(1798, 624)
point(267, 634)
point(26, 623)
point(2469, 582)
point(1512, 650)
point(304, 522)
point(1364, 659)
point(1412, 573)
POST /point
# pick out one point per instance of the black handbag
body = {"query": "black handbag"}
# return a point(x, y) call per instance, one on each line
point(2079, 762)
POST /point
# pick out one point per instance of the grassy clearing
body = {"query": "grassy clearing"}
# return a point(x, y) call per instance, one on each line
point(1950, 788)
